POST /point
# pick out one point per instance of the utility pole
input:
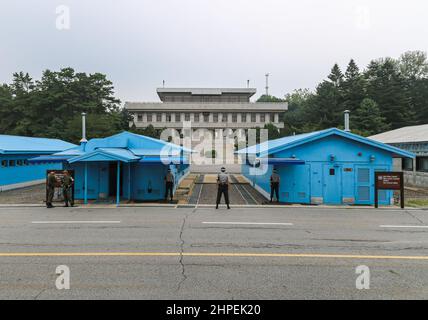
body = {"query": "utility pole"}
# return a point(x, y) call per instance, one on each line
point(267, 83)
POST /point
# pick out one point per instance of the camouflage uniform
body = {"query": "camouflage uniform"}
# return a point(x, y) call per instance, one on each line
point(67, 186)
point(50, 189)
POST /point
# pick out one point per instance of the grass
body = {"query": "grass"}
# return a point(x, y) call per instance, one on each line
point(417, 203)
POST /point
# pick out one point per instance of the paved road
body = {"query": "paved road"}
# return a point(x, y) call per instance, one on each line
point(243, 253)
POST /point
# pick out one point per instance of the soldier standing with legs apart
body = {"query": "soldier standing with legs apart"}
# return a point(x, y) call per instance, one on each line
point(169, 184)
point(223, 187)
point(274, 185)
point(50, 188)
point(67, 185)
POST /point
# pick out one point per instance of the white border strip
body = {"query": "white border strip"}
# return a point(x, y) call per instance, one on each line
point(248, 223)
point(392, 226)
point(71, 222)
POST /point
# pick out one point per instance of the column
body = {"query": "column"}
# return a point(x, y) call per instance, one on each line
point(276, 117)
point(85, 186)
point(118, 184)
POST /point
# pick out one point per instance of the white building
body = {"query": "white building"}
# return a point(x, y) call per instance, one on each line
point(209, 108)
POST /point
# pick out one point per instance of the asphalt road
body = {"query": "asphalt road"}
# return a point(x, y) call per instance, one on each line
point(243, 253)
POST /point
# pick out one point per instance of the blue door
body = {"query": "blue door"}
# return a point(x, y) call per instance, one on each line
point(332, 184)
point(365, 186)
point(295, 183)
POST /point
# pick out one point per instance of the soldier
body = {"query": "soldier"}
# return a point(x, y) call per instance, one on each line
point(223, 187)
point(67, 187)
point(169, 184)
point(50, 186)
point(274, 185)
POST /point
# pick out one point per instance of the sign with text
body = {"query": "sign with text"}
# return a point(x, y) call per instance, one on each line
point(389, 181)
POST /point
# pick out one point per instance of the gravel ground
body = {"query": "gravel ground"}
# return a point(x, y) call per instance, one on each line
point(33, 194)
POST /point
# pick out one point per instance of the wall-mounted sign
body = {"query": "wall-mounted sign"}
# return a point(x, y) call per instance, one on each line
point(389, 181)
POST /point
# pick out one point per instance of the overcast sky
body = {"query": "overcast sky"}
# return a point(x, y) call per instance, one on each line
point(206, 43)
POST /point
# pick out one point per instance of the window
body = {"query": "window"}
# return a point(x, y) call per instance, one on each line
point(206, 116)
point(140, 117)
point(253, 117)
point(234, 117)
point(422, 164)
point(407, 164)
point(19, 162)
point(168, 117)
point(224, 118)
point(158, 117)
point(187, 116)
point(11, 163)
point(332, 172)
point(149, 117)
point(177, 117)
point(215, 117)
point(196, 117)
point(4, 163)
point(262, 117)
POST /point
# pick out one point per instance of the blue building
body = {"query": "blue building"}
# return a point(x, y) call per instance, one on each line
point(324, 167)
point(125, 166)
point(15, 169)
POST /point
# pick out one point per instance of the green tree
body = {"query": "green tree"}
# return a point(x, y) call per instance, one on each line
point(388, 88)
point(368, 119)
point(353, 87)
point(269, 98)
point(273, 131)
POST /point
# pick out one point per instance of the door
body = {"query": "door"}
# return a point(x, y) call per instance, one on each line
point(113, 179)
point(295, 183)
point(364, 194)
point(332, 184)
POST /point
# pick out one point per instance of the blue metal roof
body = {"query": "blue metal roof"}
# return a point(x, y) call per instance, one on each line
point(49, 158)
point(106, 154)
point(165, 160)
point(19, 144)
point(273, 146)
point(125, 146)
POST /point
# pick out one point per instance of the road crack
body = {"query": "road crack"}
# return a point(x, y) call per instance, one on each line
point(183, 269)
point(413, 216)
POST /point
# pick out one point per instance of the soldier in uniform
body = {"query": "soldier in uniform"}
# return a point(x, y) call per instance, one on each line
point(67, 187)
point(223, 187)
point(169, 185)
point(50, 186)
point(274, 185)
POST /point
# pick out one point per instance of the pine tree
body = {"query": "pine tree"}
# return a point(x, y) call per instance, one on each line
point(353, 87)
point(367, 119)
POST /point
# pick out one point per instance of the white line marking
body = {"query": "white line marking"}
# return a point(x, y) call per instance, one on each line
point(392, 226)
point(70, 222)
point(249, 223)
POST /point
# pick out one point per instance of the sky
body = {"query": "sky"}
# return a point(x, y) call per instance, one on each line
point(205, 43)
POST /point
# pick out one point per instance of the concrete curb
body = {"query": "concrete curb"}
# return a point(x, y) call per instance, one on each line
point(202, 206)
